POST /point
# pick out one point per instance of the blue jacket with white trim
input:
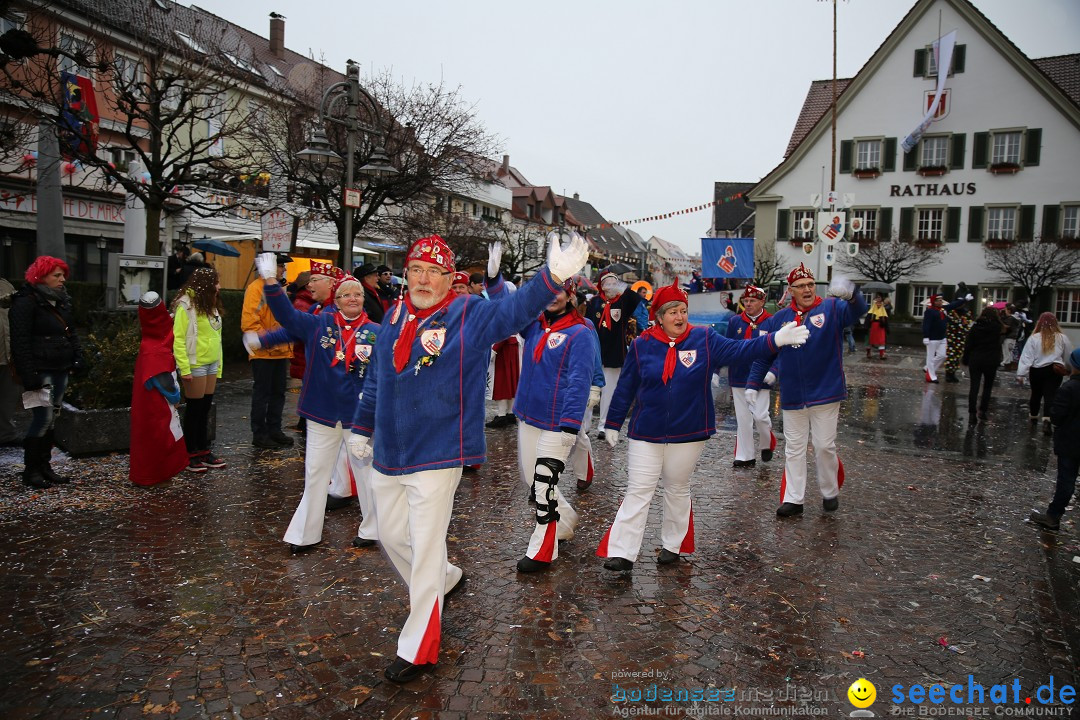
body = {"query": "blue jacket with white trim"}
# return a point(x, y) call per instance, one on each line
point(736, 330)
point(552, 394)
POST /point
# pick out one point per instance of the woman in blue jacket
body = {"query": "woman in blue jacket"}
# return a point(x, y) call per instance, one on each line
point(667, 379)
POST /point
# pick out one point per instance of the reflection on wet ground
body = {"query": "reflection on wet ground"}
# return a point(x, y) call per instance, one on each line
point(181, 601)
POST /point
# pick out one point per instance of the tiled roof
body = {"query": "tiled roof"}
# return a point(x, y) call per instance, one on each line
point(730, 215)
point(1064, 71)
point(607, 240)
point(817, 103)
point(671, 250)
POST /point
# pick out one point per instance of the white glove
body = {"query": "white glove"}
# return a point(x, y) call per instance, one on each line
point(751, 396)
point(359, 446)
point(266, 264)
point(969, 296)
point(252, 342)
point(791, 334)
point(564, 263)
point(612, 436)
point(926, 341)
point(842, 287)
point(494, 258)
point(770, 378)
point(594, 397)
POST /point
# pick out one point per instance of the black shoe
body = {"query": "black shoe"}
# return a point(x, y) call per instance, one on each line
point(333, 502)
point(36, 480)
point(457, 586)
point(297, 549)
point(470, 468)
point(211, 460)
point(744, 463)
point(766, 455)
point(830, 504)
point(264, 442)
point(496, 422)
point(402, 671)
point(788, 509)
point(528, 565)
point(1044, 520)
point(359, 542)
point(281, 439)
point(582, 486)
point(618, 564)
point(510, 419)
point(48, 474)
point(667, 557)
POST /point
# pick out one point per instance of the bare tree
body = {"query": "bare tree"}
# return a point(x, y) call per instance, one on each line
point(890, 260)
point(1035, 264)
point(524, 247)
point(468, 237)
point(768, 267)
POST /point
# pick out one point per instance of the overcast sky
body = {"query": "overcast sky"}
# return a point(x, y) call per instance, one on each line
point(638, 105)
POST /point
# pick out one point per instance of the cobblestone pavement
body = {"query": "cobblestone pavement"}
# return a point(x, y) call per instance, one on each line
point(182, 601)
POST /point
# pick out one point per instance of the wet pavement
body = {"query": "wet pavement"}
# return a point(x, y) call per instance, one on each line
point(181, 601)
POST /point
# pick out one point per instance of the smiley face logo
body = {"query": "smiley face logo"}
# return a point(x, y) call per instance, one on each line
point(862, 693)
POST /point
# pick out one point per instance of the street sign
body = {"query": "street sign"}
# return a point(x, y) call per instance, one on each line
point(831, 226)
point(352, 197)
point(276, 231)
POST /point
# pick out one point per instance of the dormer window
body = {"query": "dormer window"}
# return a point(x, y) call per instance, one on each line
point(190, 42)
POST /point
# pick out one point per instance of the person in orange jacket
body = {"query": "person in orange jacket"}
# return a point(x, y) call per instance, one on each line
point(269, 367)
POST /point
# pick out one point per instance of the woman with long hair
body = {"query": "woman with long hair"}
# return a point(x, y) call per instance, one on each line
point(982, 356)
point(1046, 347)
point(197, 312)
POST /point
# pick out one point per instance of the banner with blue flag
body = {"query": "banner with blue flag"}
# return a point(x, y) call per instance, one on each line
point(727, 257)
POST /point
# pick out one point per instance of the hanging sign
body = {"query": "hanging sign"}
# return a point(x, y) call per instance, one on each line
point(831, 226)
point(276, 228)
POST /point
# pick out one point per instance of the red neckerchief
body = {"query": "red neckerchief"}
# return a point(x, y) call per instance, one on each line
point(570, 318)
point(403, 345)
point(751, 324)
point(605, 318)
point(657, 333)
point(800, 313)
point(345, 347)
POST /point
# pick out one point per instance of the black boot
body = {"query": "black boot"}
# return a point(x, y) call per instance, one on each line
point(32, 460)
point(46, 458)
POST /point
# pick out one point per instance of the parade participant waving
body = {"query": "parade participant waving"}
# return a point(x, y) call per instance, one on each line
point(934, 324)
point(750, 415)
point(668, 379)
point(427, 385)
point(556, 376)
point(338, 345)
point(610, 312)
point(812, 384)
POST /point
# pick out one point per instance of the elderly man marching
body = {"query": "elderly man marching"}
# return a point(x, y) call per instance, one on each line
point(812, 384)
point(424, 402)
point(556, 377)
point(751, 409)
point(668, 379)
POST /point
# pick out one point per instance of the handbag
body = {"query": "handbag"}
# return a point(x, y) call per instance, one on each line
point(1060, 369)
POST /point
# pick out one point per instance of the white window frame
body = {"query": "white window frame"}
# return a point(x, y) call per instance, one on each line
point(797, 215)
point(869, 217)
point(130, 73)
point(940, 155)
point(931, 62)
point(1067, 306)
point(868, 152)
point(1070, 222)
point(991, 294)
point(919, 295)
point(930, 224)
point(71, 42)
point(14, 21)
point(241, 63)
point(122, 157)
point(1002, 150)
point(190, 42)
point(1000, 223)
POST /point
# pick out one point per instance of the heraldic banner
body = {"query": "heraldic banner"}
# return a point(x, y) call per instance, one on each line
point(727, 257)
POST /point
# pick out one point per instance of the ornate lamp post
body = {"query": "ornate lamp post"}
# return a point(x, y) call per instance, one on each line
point(101, 245)
point(319, 153)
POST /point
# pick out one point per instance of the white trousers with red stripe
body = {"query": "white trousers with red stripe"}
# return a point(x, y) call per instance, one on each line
point(611, 379)
point(324, 448)
point(535, 443)
point(819, 424)
point(413, 513)
point(750, 417)
point(346, 482)
point(648, 463)
point(935, 357)
point(581, 453)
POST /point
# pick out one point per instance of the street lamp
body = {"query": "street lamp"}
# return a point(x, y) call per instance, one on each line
point(101, 243)
point(319, 154)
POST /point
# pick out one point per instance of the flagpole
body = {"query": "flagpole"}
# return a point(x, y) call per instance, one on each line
point(832, 181)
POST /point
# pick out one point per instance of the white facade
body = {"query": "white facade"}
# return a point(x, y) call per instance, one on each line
point(670, 253)
point(998, 91)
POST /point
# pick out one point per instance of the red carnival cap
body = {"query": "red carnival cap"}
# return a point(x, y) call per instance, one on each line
point(434, 250)
point(570, 286)
point(460, 278)
point(753, 291)
point(327, 269)
point(343, 280)
point(667, 294)
point(43, 266)
point(799, 273)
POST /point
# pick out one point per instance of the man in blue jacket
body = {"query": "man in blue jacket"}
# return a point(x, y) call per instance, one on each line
point(423, 401)
point(934, 325)
point(812, 384)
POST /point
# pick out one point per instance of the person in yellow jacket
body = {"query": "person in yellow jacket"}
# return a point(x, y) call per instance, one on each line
point(197, 312)
point(269, 366)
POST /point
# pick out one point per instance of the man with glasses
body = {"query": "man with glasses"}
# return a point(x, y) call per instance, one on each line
point(812, 384)
point(427, 380)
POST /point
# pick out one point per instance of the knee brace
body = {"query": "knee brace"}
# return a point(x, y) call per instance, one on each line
point(545, 478)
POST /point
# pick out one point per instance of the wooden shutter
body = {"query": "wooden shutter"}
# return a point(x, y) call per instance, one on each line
point(1026, 231)
point(920, 63)
point(1051, 215)
point(1032, 146)
point(888, 159)
point(959, 56)
point(980, 150)
point(907, 223)
point(847, 147)
point(783, 224)
point(911, 159)
point(884, 224)
point(952, 224)
point(956, 150)
point(975, 223)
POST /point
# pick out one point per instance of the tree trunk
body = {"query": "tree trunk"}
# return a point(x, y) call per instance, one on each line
point(153, 228)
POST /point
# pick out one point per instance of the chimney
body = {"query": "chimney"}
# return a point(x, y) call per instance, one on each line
point(506, 164)
point(277, 34)
point(576, 196)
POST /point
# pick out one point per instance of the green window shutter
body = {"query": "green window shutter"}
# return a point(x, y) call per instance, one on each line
point(1051, 213)
point(1032, 146)
point(907, 223)
point(975, 223)
point(888, 160)
point(959, 55)
point(956, 151)
point(952, 225)
point(847, 148)
point(920, 62)
point(980, 149)
point(783, 224)
point(903, 299)
point(1026, 231)
point(911, 159)
point(884, 224)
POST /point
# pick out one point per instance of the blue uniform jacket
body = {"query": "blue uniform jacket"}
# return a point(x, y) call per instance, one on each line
point(736, 330)
point(934, 320)
point(682, 410)
point(431, 414)
point(552, 394)
point(812, 374)
point(329, 395)
point(598, 362)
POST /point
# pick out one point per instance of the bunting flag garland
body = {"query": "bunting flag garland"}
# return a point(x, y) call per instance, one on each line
point(667, 215)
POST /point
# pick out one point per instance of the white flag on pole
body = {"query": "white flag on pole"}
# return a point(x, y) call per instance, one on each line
point(943, 51)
